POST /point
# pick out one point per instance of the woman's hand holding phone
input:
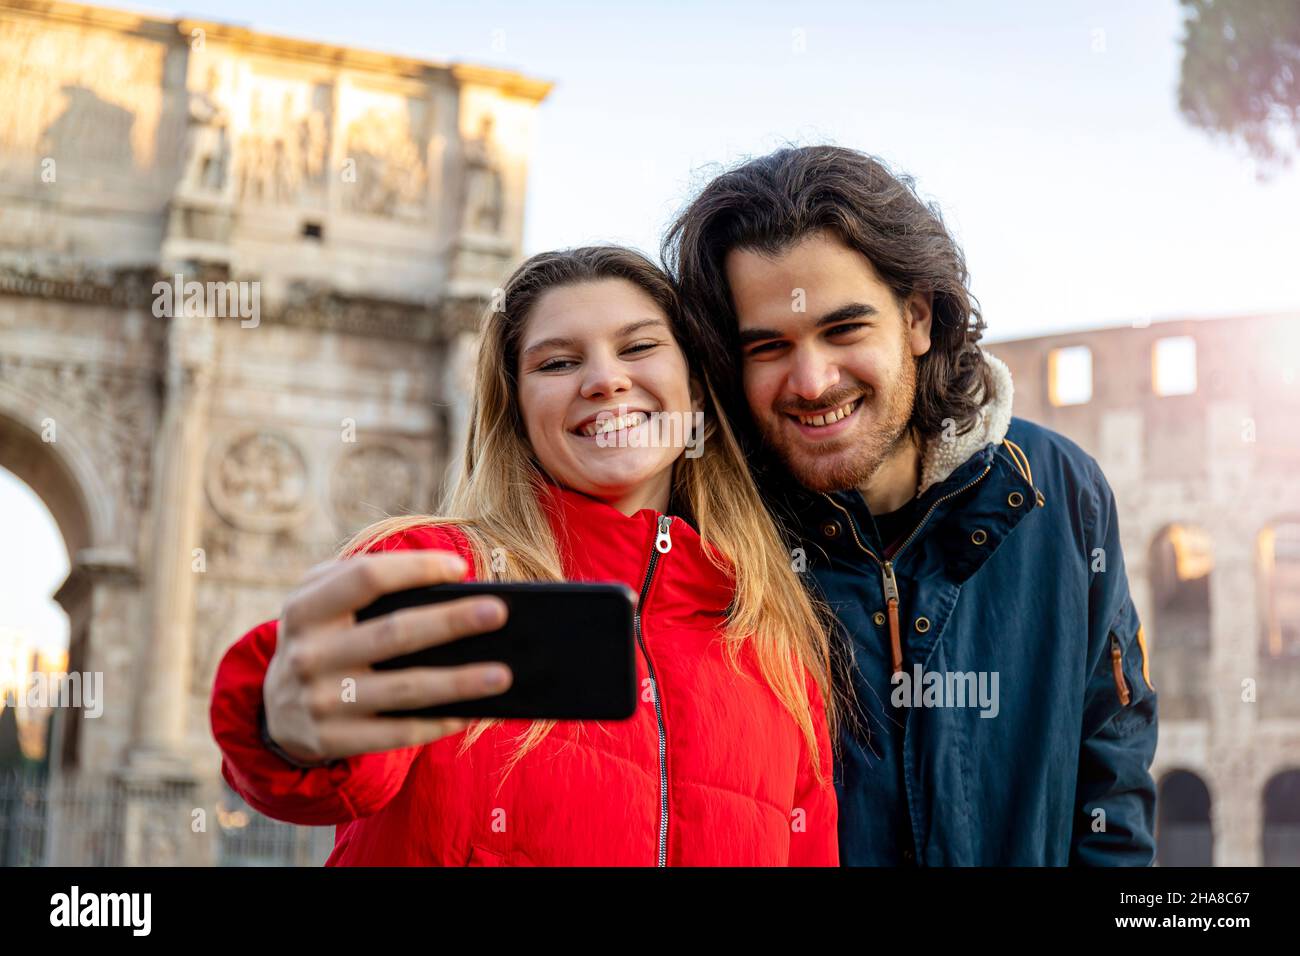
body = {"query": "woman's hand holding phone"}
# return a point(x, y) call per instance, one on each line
point(321, 696)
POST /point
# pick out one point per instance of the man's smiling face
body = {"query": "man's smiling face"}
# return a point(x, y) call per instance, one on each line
point(829, 358)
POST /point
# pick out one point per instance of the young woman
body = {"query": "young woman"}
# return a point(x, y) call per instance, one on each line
point(577, 467)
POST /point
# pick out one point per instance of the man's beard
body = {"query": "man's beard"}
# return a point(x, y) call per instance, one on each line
point(838, 468)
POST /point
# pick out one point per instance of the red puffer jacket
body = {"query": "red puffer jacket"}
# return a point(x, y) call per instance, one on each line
point(717, 774)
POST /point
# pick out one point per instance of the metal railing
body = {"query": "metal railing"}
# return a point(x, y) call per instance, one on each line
point(104, 821)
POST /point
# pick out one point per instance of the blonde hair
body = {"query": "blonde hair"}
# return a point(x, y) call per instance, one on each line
point(495, 501)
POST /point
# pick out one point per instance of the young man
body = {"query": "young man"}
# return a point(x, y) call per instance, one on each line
point(994, 656)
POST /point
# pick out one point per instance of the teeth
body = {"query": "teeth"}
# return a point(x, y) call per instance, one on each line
point(830, 418)
point(613, 423)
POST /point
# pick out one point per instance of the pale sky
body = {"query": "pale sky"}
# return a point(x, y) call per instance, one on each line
point(1047, 132)
point(33, 563)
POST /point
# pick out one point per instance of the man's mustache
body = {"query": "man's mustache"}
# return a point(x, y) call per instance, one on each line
point(824, 404)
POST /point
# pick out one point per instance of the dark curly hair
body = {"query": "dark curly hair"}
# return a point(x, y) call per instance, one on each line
point(769, 203)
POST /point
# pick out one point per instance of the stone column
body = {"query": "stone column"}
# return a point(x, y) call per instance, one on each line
point(457, 387)
point(1234, 652)
point(159, 731)
point(1236, 813)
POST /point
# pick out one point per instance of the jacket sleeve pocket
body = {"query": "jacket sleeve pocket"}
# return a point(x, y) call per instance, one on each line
point(481, 856)
point(1131, 674)
point(1126, 670)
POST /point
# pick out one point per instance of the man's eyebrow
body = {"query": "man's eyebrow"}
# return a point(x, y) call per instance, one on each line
point(854, 310)
point(564, 343)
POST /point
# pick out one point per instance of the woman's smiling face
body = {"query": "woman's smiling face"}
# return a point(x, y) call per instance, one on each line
point(589, 353)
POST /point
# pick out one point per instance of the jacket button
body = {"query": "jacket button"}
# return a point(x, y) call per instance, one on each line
point(922, 624)
point(878, 619)
point(831, 529)
point(979, 536)
point(908, 855)
point(1015, 499)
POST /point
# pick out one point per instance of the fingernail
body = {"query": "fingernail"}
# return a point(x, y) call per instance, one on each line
point(495, 677)
point(487, 612)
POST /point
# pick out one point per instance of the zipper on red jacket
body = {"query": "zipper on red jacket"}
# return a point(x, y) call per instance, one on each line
point(663, 544)
point(887, 567)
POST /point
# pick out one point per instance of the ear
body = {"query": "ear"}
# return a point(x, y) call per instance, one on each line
point(917, 316)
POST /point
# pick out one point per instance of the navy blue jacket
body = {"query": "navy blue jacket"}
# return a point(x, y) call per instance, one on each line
point(1003, 578)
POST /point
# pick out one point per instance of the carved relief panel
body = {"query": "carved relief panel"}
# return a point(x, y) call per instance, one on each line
point(92, 101)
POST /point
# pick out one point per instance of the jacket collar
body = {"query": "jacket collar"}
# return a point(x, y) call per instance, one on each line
point(943, 456)
point(597, 542)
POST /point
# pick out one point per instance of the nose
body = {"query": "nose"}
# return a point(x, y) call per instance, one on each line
point(605, 376)
point(811, 375)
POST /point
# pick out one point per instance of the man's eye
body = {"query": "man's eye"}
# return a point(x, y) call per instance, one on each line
point(763, 347)
point(847, 327)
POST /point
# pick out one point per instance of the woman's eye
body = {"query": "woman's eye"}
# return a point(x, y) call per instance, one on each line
point(554, 365)
point(561, 364)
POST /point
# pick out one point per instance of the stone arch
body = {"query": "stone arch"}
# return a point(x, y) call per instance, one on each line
point(1184, 835)
point(63, 476)
point(1280, 841)
point(51, 471)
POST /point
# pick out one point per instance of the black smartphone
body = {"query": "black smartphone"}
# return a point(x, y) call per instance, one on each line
point(570, 647)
